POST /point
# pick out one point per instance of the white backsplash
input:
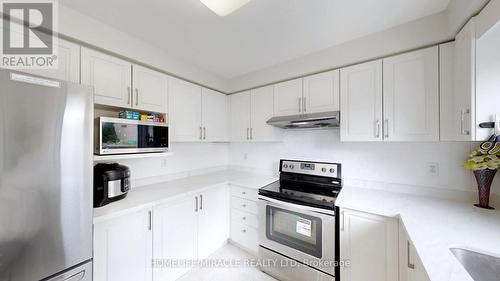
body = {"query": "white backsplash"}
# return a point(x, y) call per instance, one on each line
point(396, 163)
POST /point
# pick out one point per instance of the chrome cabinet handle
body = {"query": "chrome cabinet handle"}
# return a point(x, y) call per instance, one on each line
point(386, 128)
point(248, 133)
point(304, 104)
point(410, 265)
point(244, 205)
point(204, 133)
point(377, 129)
point(129, 94)
point(150, 220)
point(201, 133)
point(463, 131)
point(136, 96)
point(300, 104)
point(243, 192)
point(251, 133)
point(201, 202)
point(196, 208)
point(244, 230)
point(244, 218)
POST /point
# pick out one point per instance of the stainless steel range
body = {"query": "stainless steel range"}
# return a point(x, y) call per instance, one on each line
point(298, 228)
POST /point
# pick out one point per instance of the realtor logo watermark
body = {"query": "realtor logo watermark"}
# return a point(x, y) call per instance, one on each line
point(28, 34)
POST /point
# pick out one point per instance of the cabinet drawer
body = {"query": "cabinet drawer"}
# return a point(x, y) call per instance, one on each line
point(245, 218)
point(244, 205)
point(245, 236)
point(246, 193)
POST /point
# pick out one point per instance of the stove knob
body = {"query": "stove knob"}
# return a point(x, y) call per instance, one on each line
point(332, 170)
point(291, 166)
point(323, 170)
point(285, 166)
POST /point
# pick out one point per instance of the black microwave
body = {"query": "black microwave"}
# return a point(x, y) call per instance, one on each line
point(124, 136)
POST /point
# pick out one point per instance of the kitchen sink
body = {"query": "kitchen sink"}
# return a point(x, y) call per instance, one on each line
point(481, 267)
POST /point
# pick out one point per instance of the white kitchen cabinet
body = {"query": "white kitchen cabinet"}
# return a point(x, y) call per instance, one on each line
point(213, 220)
point(240, 116)
point(150, 89)
point(250, 111)
point(411, 267)
point(361, 102)
point(189, 228)
point(370, 243)
point(411, 96)
point(244, 218)
point(111, 78)
point(123, 248)
point(68, 68)
point(457, 86)
point(185, 111)
point(321, 92)
point(214, 116)
point(288, 98)
point(175, 227)
point(261, 110)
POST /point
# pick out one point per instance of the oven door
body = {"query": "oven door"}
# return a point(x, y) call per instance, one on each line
point(302, 233)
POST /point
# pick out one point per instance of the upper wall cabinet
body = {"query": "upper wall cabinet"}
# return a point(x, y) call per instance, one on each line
point(113, 85)
point(250, 111)
point(68, 66)
point(321, 92)
point(312, 94)
point(288, 98)
point(361, 102)
point(457, 86)
point(111, 78)
point(196, 113)
point(411, 96)
point(184, 111)
point(150, 89)
point(214, 107)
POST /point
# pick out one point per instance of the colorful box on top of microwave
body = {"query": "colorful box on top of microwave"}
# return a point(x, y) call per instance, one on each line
point(131, 115)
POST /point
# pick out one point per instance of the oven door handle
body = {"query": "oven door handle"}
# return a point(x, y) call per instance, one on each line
point(298, 207)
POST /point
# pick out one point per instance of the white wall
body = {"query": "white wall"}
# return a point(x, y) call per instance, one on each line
point(399, 163)
point(187, 157)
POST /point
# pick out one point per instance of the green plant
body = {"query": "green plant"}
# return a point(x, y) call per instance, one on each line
point(479, 159)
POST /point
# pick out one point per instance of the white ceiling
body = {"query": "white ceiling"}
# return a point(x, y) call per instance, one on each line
point(261, 34)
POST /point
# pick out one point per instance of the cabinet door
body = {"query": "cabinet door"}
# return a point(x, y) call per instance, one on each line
point(213, 220)
point(123, 248)
point(68, 63)
point(175, 236)
point(361, 102)
point(411, 96)
point(411, 267)
point(111, 78)
point(262, 109)
point(150, 89)
point(370, 243)
point(185, 111)
point(214, 116)
point(240, 116)
point(288, 98)
point(321, 92)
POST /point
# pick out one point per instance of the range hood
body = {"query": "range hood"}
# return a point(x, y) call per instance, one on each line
point(329, 119)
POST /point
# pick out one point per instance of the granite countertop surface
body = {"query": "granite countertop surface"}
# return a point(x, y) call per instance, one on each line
point(433, 225)
point(149, 195)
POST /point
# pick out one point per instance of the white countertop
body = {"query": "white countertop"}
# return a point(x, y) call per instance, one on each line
point(434, 225)
point(146, 196)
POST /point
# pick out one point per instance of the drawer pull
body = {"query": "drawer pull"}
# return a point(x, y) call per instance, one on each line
point(244, 230)
point(244, 205)
point(243, 192)
point(244, 218)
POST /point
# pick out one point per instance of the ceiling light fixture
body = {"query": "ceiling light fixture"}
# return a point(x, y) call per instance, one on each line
point(224, 7)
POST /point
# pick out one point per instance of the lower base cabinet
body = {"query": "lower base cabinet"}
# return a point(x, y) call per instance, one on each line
point(369, 247)
point(155, 243)
point(244, 220)
point(411, 267)
point(122, 248)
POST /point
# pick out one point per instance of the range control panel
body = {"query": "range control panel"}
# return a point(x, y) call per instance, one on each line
point(311, 168)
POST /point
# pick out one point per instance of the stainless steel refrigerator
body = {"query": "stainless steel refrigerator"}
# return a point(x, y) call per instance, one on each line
point(45, 179)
